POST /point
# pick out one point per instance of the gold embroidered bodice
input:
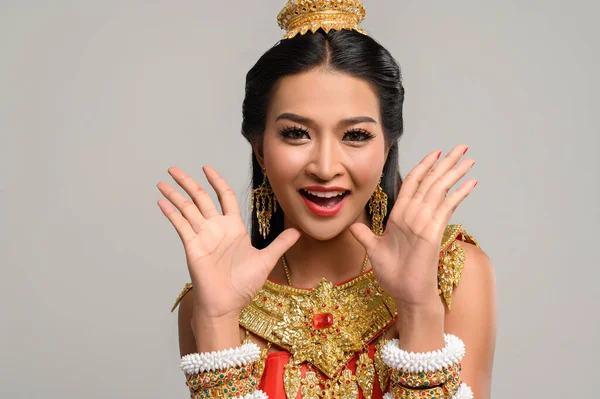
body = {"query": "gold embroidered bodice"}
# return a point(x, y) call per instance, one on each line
point(328, 325)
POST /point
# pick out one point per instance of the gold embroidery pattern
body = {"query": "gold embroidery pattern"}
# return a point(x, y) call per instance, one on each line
point(365, 375)
point(292, 375)
point(328, 325)
point(347, 384)
point(324, 326)
point(383, 371)
point(310, 386)
point(452, 260)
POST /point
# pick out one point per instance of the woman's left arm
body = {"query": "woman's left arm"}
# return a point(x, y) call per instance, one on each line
point(473, 319)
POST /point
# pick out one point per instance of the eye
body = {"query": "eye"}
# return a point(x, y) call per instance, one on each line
point(358, 135)
point(294, 133)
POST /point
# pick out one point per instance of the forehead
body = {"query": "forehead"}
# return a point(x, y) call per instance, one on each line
point(324, 96)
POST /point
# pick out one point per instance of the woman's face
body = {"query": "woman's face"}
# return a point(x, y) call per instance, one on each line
point(323, 150)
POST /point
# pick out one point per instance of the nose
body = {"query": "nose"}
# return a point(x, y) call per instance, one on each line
point(326, 160)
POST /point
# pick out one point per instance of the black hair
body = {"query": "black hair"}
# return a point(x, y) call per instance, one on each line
point(344, 51)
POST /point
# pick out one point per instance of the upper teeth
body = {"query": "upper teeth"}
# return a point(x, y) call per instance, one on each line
point(328, 194)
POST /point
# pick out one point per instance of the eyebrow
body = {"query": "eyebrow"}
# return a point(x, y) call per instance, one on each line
point(307, 121)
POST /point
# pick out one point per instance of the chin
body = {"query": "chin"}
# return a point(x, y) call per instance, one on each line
point(322, 234)
point(324, 229)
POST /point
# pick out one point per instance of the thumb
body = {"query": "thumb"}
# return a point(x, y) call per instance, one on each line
point(278, 247)
point(364, 236)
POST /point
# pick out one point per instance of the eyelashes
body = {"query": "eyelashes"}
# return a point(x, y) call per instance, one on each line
point(358, 135)
point(299, 133)
point(294, 133)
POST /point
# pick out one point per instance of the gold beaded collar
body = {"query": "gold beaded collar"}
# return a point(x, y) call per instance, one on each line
point(324, 326)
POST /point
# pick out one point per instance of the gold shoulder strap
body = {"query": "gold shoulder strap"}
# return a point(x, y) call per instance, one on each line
point(452, 260)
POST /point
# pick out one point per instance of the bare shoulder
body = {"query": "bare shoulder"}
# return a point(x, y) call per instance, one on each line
point(473, 317)
point(475, 295)
point(478, 274)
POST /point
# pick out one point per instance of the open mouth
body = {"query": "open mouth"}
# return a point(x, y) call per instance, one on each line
point(325, 199)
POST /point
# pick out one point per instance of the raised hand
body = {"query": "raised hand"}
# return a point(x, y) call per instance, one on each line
point(405, 258)
point(226, 270)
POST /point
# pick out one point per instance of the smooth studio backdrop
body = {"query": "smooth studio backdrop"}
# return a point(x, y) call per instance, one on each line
point(99, 98)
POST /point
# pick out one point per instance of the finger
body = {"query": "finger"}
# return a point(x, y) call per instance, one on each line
point(183, 228)
point(364, 236)
point(413, 180)
point(444, 212)
point(198, 194)
point(440, 169)
point(278, 247)
point(439, 190)
point(225, 194)
point(187, 208)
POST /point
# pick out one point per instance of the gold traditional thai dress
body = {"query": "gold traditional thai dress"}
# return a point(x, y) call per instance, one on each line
point(329, 335)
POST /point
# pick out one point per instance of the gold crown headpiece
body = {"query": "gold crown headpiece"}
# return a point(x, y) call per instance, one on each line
point(300, 16)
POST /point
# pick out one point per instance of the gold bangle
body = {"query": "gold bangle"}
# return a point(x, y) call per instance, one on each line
point(232, 389)
point(425, 380)
point(447, 390)
point(218, 378)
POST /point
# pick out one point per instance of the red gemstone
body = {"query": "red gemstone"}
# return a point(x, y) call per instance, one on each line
point(322, 320)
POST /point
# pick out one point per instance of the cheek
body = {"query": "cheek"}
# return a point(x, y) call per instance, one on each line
point(367, 169)
point(283, 162)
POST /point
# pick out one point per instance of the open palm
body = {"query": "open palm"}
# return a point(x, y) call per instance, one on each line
point(225, 269)
point(405, 258)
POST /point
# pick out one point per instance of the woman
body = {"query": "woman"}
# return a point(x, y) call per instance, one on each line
point(345, 286)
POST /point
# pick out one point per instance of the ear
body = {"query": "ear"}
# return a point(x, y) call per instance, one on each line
point(258, 153)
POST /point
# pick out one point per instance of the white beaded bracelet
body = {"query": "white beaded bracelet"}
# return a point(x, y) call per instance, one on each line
point(464, 392)
point(210, 361)
point(399, 359)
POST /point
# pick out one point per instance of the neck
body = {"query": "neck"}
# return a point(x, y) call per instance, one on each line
point(310, 260)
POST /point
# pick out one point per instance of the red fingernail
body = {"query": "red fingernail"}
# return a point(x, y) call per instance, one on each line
point(466, 149)
point(439, 155)
point(475, 185)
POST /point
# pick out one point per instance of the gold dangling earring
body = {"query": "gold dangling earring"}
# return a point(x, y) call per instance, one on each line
point(378, 209)
point(266, 204)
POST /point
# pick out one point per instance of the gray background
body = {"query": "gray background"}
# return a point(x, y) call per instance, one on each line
point(98, 99)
